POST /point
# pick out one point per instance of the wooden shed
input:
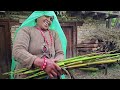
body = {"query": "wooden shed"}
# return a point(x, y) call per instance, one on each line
point(5, 44)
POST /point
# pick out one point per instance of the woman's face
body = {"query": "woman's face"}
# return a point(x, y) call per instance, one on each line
point(44, 22)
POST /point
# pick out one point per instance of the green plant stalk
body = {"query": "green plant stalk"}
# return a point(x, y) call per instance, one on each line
point(98, 57)
point(113, 57)
point(77, 60)
point(87, 55)
point(60, 64)
point(105, 58)
point(89, 69)
point(92, 63)
point(90, 58)
point(16, 71)
point(81, 61)
point(83, 64)
point(31, 71)
point(70, 61)
point(40, 73)
point(35, 75)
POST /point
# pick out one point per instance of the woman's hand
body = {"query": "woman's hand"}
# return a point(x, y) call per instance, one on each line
point(38, 62)
point(52, 69)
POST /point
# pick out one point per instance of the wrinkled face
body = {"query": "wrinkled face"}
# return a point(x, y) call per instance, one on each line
point(44, 22)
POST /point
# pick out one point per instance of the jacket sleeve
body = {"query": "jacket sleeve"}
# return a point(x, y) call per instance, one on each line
point(20, 48)
point(59, 54)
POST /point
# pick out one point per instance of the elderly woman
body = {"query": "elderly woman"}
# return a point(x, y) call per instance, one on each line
point(39, 42)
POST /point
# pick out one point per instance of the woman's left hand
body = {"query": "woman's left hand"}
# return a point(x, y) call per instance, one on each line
point(57, 69)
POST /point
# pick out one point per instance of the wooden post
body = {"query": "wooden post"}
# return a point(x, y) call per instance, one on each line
point(108, 23)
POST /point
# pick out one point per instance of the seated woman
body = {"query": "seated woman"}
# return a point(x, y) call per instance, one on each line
point(39, 42)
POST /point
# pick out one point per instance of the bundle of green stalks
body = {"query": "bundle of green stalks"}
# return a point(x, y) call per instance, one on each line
point(76, 62)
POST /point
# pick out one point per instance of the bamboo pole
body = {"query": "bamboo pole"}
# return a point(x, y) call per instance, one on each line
point(74, 62)
point(92, 63)
point(89, 69)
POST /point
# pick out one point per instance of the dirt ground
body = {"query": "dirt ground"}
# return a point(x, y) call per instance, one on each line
point(112, 73)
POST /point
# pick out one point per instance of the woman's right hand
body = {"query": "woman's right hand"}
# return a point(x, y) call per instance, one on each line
point(38, 62)
point(52, 69)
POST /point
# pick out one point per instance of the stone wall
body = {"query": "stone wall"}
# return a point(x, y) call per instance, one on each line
point(15, 27)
